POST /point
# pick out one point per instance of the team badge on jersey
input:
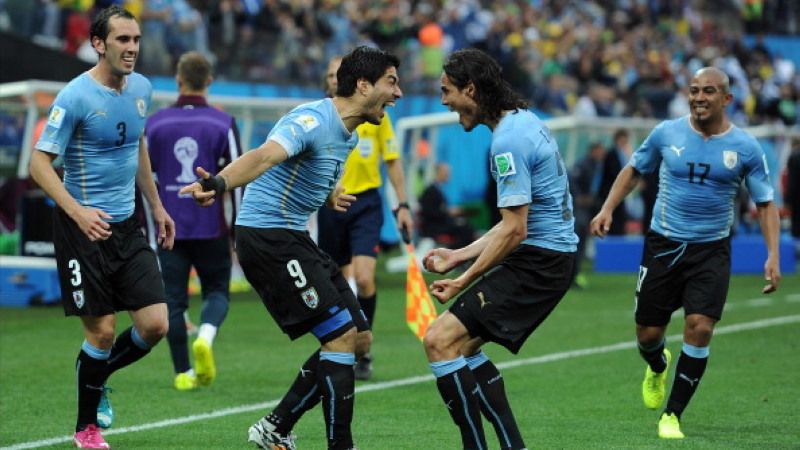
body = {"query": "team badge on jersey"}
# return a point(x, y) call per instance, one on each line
point(310, 298)
point(308, 123)
point(505, 164)
point(77, 297)
point(141, 107)
point(730, 158)
point(56, 117)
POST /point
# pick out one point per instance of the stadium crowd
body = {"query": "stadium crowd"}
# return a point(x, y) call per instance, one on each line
point(596, 58)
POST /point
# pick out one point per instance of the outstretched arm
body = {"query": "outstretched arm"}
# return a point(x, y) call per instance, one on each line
point(238, 173)
point(770, 228)
point(625, 182)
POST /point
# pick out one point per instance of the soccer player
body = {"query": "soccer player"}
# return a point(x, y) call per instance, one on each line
point(704, 159)
point(187, 134)
point(523, 265)
point(352, 237)
point(104, 262)
point(291, 175)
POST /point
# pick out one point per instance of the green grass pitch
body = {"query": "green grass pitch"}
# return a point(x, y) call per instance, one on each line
point(576, 383)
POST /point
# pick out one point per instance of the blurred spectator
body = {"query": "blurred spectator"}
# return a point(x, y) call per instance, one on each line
point(616, 158)
point(585, 179)
point(153, 54)
point(438, 220)
point(625, 58)
point(792, 195)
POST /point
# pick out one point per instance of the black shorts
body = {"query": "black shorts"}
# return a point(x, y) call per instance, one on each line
point(301, 286)
point(510, 301)
point(102, 277)
point(356, 232)
point(674, 274)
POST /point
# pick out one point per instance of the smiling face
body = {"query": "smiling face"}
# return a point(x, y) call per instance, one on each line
point(121, 47)
point(461, 101)
point(708, 96)
point(383, 93)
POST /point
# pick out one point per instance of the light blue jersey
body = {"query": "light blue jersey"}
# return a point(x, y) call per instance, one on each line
point(699, 178)
point(318, 144)
point(96, 129)
point(528, 169)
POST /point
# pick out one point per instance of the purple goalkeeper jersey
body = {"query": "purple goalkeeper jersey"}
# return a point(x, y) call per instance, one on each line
point(180, 138)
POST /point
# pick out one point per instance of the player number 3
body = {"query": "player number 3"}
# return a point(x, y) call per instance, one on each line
point(75, 266)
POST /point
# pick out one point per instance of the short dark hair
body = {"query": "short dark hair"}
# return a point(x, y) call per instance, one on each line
point(493, 94)
point(194, 70)
point(365, 62)
point(99, 26)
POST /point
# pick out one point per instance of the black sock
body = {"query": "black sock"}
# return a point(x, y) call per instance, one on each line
point(459, 393)
point(301, 397)
point(91, 373)
point(336, 382)
point(654, 355)
point(368, 305)
point(688, 373)
point(125, 351)
point(178, 341)
point(494, 402)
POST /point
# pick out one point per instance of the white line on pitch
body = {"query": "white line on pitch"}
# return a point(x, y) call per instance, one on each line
point(727, 329)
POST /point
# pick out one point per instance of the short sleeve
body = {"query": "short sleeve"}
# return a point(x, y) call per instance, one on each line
point(648, 156)
point(62, 119)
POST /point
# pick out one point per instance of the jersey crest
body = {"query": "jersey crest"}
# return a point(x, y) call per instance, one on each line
point(730, 158)
point(141, 106)
point(310, 298)
point(77, 297)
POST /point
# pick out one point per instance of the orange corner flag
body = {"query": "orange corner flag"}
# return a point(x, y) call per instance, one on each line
point(420, 311)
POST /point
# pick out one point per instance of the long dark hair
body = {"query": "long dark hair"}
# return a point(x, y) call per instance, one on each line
point(493, 94)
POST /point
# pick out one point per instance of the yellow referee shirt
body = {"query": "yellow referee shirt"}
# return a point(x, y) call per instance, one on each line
point(362, 170)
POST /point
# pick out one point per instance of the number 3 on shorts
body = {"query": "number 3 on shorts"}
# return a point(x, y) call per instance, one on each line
point(293, 266)
point(75, 266)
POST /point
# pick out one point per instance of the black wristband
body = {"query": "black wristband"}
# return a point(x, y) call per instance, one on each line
point(402, 205)
point(215, 183)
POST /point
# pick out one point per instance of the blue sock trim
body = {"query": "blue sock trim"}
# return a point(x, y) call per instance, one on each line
point(444, 368)
point(138, 341)
point(332, 413)
point(695, 352)
point(476, 360)
point(652, 347)
point(497, 420)
point(466, 409)
point(347, 359)
point(304, 400)
point(95, 352)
